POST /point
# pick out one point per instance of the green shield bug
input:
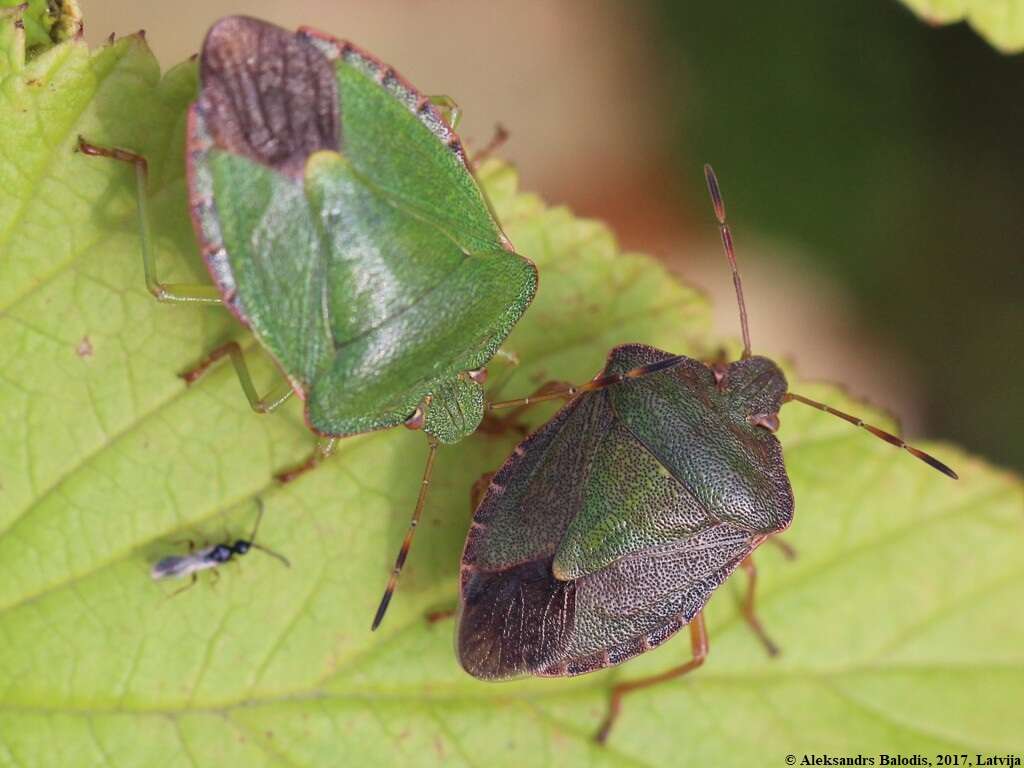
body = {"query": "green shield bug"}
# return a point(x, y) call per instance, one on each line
point(340, 221)
point(610, 527)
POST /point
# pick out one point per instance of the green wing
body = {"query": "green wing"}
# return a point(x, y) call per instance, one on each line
point(395, 138)
point(408, 307)
point(275, 261)
point(357, 247)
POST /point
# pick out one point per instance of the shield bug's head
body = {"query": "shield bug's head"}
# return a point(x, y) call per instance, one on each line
point(755, 388)
point(760, 380)
point(454, 410)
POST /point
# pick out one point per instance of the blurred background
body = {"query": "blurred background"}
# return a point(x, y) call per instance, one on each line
point(872, 165)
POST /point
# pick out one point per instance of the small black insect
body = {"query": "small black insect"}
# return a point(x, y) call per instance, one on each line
point(213, 556)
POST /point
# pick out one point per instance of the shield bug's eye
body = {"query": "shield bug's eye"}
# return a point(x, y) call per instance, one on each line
point(769, 421)
point(417, 419)
point(479, 375)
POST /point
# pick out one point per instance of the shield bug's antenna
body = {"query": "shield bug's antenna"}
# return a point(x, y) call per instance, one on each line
point(716, 199)
point(389, 590)
point(880, 433)
point(252, 537)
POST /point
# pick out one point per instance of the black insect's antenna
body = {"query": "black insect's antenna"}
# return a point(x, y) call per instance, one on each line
point(389, 590)
point(716, 199)
point(259, 519)
point(260, 547)
point(880, 433)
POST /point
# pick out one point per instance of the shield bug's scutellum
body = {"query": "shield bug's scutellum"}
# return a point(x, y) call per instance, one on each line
point(609, 528)
point(210, 557)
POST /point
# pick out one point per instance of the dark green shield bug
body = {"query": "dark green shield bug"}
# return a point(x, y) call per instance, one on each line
point(340, 220)
point(608, 529)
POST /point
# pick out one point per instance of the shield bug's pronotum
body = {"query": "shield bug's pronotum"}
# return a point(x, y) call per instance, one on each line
point(210, 557)
point(340, 221)
point(609, 528)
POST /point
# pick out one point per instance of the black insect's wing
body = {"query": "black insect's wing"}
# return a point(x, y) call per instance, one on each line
point(175, 566)
point(267, 93)
point(515, 616)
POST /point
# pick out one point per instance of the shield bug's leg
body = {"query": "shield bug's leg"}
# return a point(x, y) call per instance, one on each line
point(450, 109)
point(699, 647)
point(748, 607)
point(440, 615)
point(476, 493)
point(600, 382)
point(497, 141)
point(497, 425)
point(879, 433)
point(324, 450)
point(265, 404)
point(421, 500)
point(788, 551)
point(176, 292)
point(479, 489)
point(509, 357)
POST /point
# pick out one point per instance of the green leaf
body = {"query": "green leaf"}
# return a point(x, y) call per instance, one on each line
point(899, 621)
point(45, 22)
point(1000, 22)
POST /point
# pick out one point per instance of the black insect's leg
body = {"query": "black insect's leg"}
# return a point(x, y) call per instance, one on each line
point(180, 293)
point(191, 583)
point(265, 404)
point(323, 451)
point(214, 576)
point(748, 607)
point(699, 647)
